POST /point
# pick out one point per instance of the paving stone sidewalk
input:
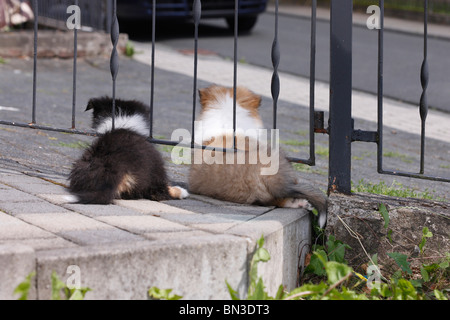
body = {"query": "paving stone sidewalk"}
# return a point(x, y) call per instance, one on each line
point(40, 231)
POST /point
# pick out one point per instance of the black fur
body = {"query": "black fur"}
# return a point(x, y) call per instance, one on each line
point(117, 156)
point(102, 109)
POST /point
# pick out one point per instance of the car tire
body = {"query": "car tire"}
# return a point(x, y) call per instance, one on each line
point(245, 23)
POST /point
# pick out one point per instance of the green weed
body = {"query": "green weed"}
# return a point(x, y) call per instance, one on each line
point(58, 287)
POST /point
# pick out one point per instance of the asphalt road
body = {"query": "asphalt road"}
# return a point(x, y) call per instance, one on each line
point(403, 53)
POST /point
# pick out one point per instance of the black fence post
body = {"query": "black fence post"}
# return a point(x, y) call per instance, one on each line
point(340, 122)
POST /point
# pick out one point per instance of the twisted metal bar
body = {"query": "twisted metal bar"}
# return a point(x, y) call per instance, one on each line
point(114, 62)
point(424, 77)
point(235, 58)
point(197, 13)
point(275, 84)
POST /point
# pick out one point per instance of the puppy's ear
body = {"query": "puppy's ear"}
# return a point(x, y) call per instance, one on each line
point(247, 98)
point(203, 95)
point(98, 103)
point(91, 104)
point(211, 94)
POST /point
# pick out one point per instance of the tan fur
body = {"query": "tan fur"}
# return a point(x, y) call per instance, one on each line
point(175, 192)
point(126, 185)
point(243, 183)
point(244, 97)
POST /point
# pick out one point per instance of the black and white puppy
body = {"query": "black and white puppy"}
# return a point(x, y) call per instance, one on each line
point(121, 163)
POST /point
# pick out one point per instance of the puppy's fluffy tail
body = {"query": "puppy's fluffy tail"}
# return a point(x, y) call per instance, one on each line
point(315, 197)
point(302, 190)
point(93, 186)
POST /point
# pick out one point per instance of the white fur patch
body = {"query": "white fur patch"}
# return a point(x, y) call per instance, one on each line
point(217, 121)
point(184, 193)
point(178, 192)
point(70, 199)
point(136, 123)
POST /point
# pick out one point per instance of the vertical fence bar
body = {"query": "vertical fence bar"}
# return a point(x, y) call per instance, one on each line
point(109, 15)
point(424, 76)
point(380, 88)
point(74, 88)
point(152, 72)
point(275, 84)
point(36, 14)
point(312, 82)
point(340, 96)
point(197, 12)
point(236, 30)
point(114, 62)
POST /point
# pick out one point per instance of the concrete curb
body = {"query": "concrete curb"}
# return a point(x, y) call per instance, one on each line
point(122, 250)
point(57, 44)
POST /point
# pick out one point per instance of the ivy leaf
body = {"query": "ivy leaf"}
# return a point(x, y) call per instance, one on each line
point(317, 263)
point(336, 249)
point(336, 271)
point(400, 259)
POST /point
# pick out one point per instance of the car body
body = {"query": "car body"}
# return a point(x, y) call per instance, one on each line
point(248, 10)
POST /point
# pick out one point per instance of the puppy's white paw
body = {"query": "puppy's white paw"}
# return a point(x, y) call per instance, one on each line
point(296, 203)
point(177, 192)
point(70, 199)
point(184, 193)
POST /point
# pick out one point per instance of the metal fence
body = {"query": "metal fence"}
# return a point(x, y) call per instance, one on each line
point(340, 125)
point(341, 130)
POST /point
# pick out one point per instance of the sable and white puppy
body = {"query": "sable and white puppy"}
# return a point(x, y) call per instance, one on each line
point(245, 176)
point(121, 163)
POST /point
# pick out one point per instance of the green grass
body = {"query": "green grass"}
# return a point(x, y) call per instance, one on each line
point(396, 189)
point(292, 142)
point(300, 167)
point(302, 133)
point(403, 157)
point(74, 145)
point(322, 151)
